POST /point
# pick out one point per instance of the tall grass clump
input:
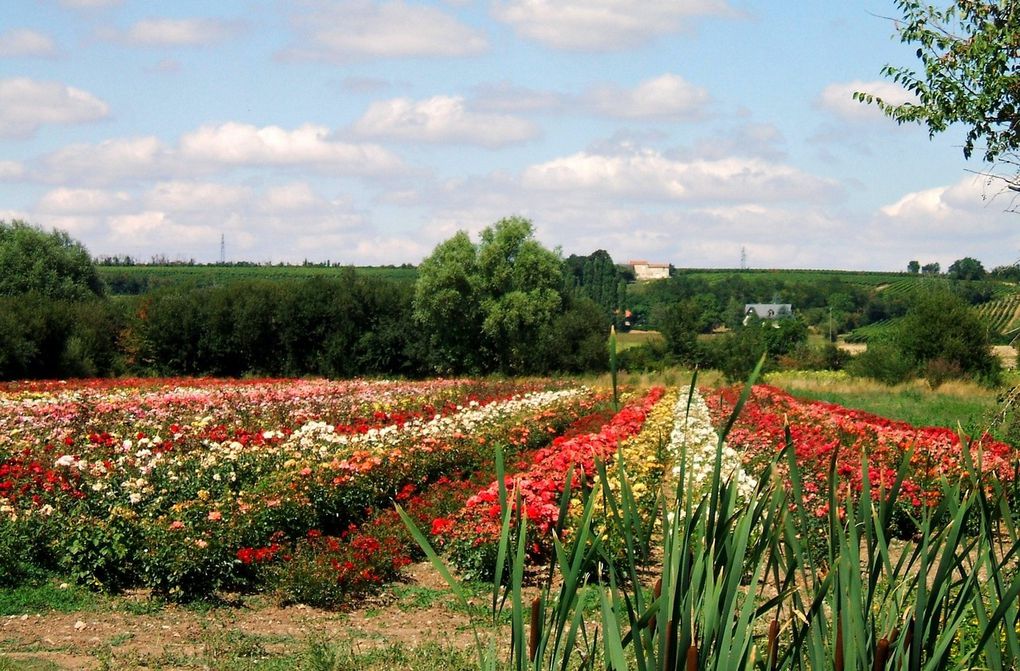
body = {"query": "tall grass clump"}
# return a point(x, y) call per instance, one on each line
point(736, 583)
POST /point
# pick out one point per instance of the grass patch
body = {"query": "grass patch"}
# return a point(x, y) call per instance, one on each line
point(426, 657)
point(954, 403)
point(635, 338)
point(45, 597)
point(28, 664)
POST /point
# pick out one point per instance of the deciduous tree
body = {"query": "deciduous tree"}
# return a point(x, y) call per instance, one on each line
point(50, 264)
point(969, 53)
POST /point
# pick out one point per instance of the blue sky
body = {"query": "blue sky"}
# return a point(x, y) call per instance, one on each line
point(365, 132)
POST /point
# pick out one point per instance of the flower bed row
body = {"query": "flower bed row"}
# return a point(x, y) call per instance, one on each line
point(116, 511)
point(693, 447)
point(821, 430)
point(472, 534)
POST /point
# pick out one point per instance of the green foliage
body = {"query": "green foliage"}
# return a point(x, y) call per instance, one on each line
point(49, 264)
point(940, 326)
point(126, 278)
point(339, 327)
point(967, 268)
point(97, 553)
point(44, 596)
point(45, 338)
point(185, 564)
point(737, 352)
point(23, 552)
point(940, 337)
point(969, 74)
point(679, 323)
point(447, 305)
point(883, 361)
point(575, 341)
point(483, 308)
point(598, 278)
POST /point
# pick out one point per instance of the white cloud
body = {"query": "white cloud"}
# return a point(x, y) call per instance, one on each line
point(11, 170)
point(159, 231)
point(26, 42)
point(182, 196)
point(650, 174)
point(442, 119)
point(838, 98)
point(603, 25)
point(752, 139)
point(244, 144)
point(967, 201)
point(506, 97)
point(108, 161)
point(668, 96)
point(89, 4)
point(361, 29)
point(296, 196)
point(970, 217)
point(165, 32)
point(81, 201)
point(26, 104)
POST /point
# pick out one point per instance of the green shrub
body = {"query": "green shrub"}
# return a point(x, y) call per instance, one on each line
point(883, 362)
point(20, 545)
point(98, 553)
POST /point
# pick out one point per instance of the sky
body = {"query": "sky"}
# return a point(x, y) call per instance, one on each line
point(364, 132)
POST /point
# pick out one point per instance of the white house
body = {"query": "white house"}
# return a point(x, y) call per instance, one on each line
point(767, 311)
point(643, 270)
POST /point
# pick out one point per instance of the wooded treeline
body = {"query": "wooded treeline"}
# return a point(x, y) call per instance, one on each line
point(56, 319)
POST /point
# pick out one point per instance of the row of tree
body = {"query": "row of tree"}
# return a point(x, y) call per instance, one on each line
point(504, 305)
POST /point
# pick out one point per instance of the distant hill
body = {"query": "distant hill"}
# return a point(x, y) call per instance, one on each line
point(138, 279)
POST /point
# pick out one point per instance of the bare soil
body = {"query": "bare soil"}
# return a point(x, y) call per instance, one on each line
point(132, 633)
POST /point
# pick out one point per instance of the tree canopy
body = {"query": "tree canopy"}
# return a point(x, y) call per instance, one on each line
point(489, 306)
point(967, 268)
point(50, 264)
point(969, 52)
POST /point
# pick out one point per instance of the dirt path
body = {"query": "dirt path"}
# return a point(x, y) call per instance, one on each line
point(129, 632)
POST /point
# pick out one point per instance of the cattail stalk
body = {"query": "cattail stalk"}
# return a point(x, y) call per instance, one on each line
point(612, 367)
point(773, 645)
point(656, 593)
point(667, 652)
point(535, 634)
point(692, 657)
point(881, 655)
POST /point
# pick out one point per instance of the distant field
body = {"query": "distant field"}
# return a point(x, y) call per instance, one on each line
point(635, 338)
point(864, 278)
point(138, 279)
point(1002, 315)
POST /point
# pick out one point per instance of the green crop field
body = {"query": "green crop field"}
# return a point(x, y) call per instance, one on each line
point(138, 279)
point(1001, 315)
point(863, 278)
point(875, 330)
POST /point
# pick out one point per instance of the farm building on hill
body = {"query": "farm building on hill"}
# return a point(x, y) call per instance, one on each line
point(768, 310)
point(643, 270)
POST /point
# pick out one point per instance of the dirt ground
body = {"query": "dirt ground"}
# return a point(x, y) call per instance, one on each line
point(131, 633)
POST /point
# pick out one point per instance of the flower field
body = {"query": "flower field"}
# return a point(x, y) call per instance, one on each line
point(192, 487)
point(189, 486)
point(822, 431)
